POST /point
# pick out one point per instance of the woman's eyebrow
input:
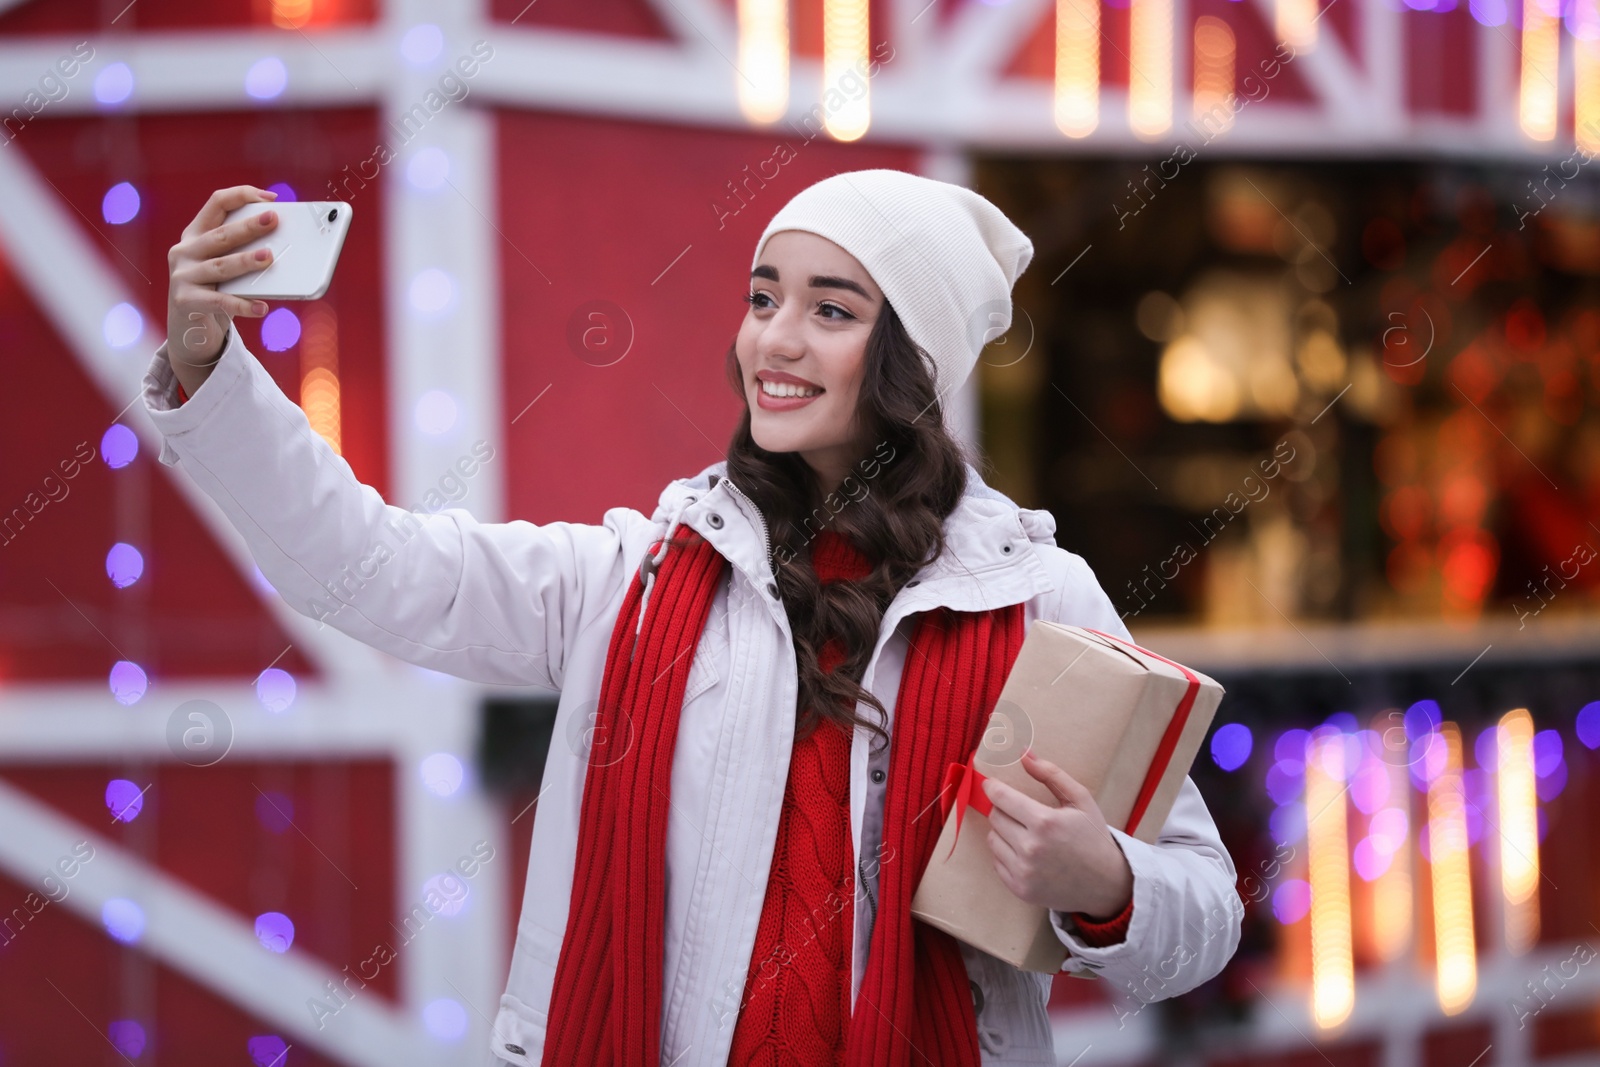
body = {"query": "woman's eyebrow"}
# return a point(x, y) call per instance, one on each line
point(818, 281)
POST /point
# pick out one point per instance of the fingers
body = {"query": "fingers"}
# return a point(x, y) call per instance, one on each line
point(202, 299)
point(1005, 825)
point(209, 272)
point(1067, 789)
point(209, 244)
point(1012, 803)
point(223, 201)
point(1005, 856)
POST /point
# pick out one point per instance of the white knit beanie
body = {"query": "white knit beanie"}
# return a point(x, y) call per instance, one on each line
point(945, 257)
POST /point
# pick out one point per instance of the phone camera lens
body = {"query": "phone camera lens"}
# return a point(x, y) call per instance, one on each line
point(333, 213)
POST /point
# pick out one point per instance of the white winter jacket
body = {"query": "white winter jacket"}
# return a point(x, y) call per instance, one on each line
point(522, 604)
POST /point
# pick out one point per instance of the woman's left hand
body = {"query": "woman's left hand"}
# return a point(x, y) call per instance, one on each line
point(1062, 858)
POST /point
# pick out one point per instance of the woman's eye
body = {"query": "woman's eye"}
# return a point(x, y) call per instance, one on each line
point(834, 307)
point(753, 299)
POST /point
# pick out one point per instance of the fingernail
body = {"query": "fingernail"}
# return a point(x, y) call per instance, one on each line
point(259, 307)
point(263, 253)
point(266, 218)
point(270, 193)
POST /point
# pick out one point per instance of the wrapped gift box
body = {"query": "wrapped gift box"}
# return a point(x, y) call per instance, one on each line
point(1122, 720)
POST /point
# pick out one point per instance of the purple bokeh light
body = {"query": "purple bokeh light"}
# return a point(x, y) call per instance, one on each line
point(445, 1019)
point(1291, 900)
point(124, 565)
point(1547, 752)
point(120, 204)
point(1231, 745)
point(1369, 786)
point(1369, 860)
point(1291, 748)
point(280, 330)
point(124, 799)
point(275, 689)
point(266, 78)
point(1287, 824)
point(275, 931)
point(1422, 718)
point(1283, 783)
point(1488, 12)
point(119, 446)
point(1588, 724)
point(1550, 786)
point(1388, 828)
point(123, 919)
point(267, 1050)
point(1486, 750)
point(127, 1037)
point(127, 682)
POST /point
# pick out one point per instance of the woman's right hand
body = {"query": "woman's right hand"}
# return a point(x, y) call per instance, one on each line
point(198, 314)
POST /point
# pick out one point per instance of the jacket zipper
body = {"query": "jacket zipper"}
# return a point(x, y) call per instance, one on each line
point(866, 887)
point(766, 542)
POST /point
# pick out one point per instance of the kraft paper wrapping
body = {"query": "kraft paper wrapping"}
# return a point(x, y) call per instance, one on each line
point(1105, 711)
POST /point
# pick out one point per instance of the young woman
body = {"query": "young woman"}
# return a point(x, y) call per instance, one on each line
point(761, 683)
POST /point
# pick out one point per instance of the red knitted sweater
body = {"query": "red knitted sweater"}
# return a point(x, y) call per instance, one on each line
point(796, 1006)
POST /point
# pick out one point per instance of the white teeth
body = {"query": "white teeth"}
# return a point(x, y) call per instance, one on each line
point(786, 389)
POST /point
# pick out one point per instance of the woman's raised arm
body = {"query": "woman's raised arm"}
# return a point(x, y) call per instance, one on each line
point(491, 602)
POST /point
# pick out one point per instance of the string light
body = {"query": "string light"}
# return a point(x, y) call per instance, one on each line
point(1455, 953)
point(1150, 67)
point(763, 81)
point(1541, 49)
point(1214, 53)
point(1389, 932)
point(1296, 23)
point(319, 381)
point(1586, 74)
point(1333, 982)
point(1077, 96)
point(291, 14)
point(1518, 804)
point(844, 54)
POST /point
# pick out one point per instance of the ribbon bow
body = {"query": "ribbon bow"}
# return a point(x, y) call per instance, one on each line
point(967, 781)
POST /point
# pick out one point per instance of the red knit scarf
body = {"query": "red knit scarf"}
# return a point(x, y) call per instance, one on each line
point(915, 1002)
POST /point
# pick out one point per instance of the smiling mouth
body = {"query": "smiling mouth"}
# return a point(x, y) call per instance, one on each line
point(784, 390)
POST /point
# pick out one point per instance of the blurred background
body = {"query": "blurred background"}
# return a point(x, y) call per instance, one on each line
point(1305, 366)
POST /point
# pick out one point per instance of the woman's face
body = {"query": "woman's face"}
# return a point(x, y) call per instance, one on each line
point(811, 309)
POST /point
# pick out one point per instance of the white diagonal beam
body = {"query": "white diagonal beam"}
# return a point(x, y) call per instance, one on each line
point(1347, 99)
point(204, 941)
point(701, 26)
point(980, 40)
point(67, 276)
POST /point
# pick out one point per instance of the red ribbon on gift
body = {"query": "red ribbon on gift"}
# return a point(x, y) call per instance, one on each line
point(1169, 740)
point(966, 781)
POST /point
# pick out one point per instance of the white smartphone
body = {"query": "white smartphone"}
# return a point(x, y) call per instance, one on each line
point(305, 246)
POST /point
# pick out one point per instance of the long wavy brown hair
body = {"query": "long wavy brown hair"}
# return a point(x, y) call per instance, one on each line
point(892, 506)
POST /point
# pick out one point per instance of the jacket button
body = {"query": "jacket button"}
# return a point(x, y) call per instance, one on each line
point(715, 520)
point(517, 1050)
point(772, 590)
point(877, 776)
point(1006, 549)
point(912, 582)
